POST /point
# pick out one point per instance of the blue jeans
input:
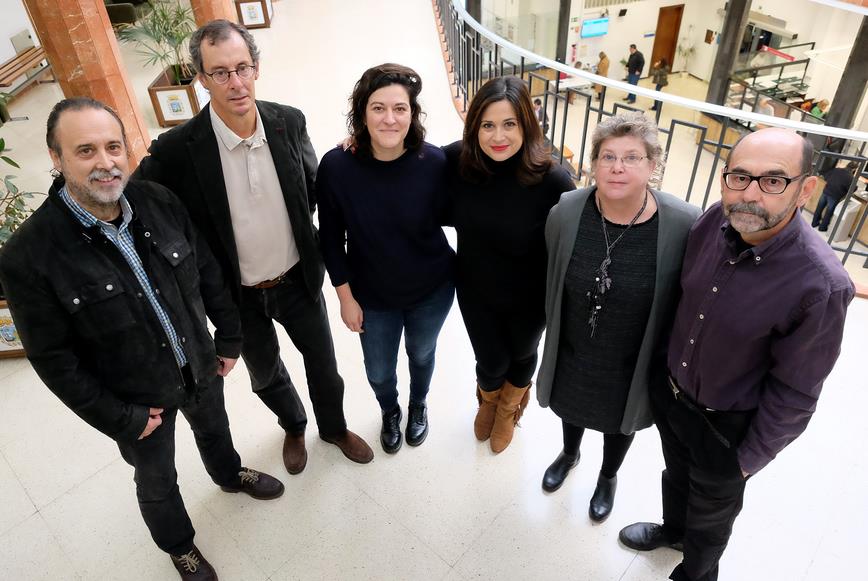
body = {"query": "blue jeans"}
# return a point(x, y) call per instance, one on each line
point(421, 325)
point(821, 218)
point(633, 79)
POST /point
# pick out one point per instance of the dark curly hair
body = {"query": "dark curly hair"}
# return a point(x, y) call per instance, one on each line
point(534, 156)
point(376, 78)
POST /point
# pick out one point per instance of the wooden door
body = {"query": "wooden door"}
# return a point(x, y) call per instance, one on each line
point(666, 36)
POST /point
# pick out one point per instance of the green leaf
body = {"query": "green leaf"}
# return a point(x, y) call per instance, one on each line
point(9, 161)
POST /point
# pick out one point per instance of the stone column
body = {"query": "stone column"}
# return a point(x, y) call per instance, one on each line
point(207, 10)
point(563, 31)
point(854, 79)
point(80, 45)
point(474, 9)
point(734, 21)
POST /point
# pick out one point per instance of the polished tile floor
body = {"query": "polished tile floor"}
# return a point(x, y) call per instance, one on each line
point(447, 510)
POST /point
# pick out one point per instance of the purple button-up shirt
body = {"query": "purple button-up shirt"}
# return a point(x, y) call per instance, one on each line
point(758, 329)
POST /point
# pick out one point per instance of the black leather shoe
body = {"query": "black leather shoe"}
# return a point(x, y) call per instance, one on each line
point(417, 423)
point(193, 566)
point(557, 472)
point(390, 435)
point(603, 498)
point(259, 485)
point(647, 536)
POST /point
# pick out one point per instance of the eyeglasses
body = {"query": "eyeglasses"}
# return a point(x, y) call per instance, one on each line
point(768, 184)
point(243, 71)
point(632, 160)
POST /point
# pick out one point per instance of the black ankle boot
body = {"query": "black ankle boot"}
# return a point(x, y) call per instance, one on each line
point(603, 498)
point(557, 472)
point(390, 435)
point(417, 423)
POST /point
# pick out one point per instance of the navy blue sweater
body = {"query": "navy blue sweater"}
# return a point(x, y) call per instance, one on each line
point(389, 215)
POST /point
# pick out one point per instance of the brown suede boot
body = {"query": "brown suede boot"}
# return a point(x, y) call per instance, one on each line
point(511, 406)
point(485, 414)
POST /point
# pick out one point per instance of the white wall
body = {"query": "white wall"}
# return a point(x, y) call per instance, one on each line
point(641, 19)
point(14, 19)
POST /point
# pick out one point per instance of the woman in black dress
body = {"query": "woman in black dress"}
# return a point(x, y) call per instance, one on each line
point(503, 183)
point(614, 262)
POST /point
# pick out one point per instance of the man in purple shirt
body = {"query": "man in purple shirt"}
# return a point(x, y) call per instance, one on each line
point(757, 330)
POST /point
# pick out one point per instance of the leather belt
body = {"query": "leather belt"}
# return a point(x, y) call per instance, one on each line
point(679, 395)
point(272, 282)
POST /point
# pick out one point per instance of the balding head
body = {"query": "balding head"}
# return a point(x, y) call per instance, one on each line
point(782, 140)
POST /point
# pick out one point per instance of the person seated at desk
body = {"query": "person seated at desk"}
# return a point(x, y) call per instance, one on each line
point(819, 110)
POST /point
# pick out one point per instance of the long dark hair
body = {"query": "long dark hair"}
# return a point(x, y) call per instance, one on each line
point(534, 156)
point(376, 78)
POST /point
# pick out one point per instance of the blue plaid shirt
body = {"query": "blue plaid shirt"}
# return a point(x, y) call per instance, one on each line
point(122, 238)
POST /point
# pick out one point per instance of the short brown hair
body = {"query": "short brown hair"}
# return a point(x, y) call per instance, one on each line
point(218, 31)
point(535, 157)
point(376, 78)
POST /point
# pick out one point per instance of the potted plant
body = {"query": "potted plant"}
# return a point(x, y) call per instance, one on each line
point(685, 51)
point(4, 111)
point(13, 211)
point(162, 38)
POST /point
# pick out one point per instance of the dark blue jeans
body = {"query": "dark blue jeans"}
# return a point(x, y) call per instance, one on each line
point(154, 461)
point(306, 322)
point(381, 339)
point(633, 79)
point(825, 209)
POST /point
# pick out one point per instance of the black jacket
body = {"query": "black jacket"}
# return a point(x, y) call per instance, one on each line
point(87, 328)
point(635, 63)
point(186, 160)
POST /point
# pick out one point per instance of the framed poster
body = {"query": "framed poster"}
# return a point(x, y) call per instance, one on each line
point(254, 13)
point(10, 343)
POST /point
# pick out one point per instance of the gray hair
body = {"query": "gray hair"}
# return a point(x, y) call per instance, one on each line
point(628, 124)
point(218, 31)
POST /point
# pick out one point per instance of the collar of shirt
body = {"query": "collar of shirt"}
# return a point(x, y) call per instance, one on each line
point(761, 251)
point(88, 220)
point(230, 139)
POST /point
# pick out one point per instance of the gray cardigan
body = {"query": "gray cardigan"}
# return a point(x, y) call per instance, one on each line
point(675, 219)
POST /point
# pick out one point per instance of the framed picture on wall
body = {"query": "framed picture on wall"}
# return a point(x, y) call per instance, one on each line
point(10, 342)
point(254, 13)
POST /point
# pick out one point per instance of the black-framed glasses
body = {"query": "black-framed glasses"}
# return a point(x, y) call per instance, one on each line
point(769, 184)
point(243, 71)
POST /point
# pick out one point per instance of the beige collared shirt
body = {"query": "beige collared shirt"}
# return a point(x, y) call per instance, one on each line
point(260, 221)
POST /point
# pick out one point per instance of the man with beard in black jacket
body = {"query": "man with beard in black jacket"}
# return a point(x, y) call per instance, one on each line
point(109, 286)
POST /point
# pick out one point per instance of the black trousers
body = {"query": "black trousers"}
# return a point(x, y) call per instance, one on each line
point(505, 341)
point(703, 486)
point(306, 322)
point(154, 461)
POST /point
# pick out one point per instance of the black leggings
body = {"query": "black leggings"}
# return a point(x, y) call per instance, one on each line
point(505, 342)
point(615, 447)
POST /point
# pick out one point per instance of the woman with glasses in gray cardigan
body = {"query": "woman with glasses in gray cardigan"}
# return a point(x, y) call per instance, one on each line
point(614, 262)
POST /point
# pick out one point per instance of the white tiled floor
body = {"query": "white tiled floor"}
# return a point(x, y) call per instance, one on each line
point(447, 510)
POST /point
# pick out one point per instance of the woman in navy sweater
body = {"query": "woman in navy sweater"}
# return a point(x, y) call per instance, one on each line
point(503, 184)
point(381, 205)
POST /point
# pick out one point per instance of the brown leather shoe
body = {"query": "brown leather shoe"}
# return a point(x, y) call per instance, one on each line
point(258, 485)
point(294, 453)
point(353, 447)
point(193, 566)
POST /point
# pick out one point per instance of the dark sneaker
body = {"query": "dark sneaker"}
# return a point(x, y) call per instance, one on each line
point(259, 485)
point(193, 566)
